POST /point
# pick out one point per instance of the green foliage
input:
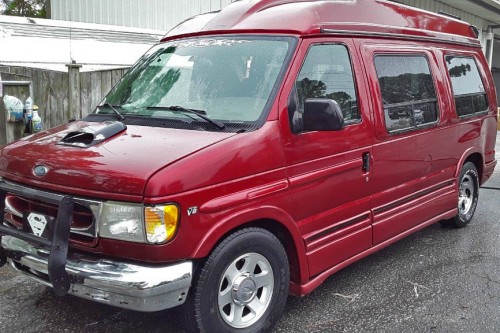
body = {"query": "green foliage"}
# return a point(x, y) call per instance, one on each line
point(459, 71)
point(27, 8)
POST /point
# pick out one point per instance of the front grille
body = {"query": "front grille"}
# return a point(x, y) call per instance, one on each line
point(83, 224)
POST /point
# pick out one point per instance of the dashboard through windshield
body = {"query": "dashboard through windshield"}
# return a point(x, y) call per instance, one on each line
point(228, 79)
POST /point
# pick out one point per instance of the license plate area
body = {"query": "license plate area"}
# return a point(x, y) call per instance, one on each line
point(40, 225)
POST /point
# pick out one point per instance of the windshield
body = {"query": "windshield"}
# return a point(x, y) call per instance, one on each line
point(227, 79)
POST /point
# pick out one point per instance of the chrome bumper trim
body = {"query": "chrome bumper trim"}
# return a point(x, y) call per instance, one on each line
point(144, 288)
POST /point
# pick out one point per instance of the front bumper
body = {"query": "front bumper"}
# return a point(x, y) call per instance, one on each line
point(126, 285)
point(131, 286)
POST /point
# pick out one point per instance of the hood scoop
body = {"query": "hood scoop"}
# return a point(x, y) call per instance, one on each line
point(90, 136)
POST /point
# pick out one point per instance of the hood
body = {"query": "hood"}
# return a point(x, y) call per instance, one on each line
point(121, 162)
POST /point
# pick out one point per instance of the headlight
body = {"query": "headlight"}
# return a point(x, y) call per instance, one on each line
point(136, 223)
point(122, 221)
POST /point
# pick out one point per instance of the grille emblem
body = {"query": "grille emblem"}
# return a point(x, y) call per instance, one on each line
point(40, 170)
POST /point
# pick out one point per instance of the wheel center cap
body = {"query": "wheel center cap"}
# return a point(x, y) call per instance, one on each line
point(244, 289)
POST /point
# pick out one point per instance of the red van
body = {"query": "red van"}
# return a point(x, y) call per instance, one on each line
point(253, 153)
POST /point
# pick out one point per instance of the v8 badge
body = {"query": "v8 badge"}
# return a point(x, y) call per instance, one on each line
point(192, 210)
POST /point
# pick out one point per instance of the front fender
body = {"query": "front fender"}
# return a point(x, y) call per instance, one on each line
point(246, 217)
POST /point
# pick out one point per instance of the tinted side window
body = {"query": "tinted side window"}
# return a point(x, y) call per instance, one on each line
point(468, 88)
point(326, 73)
point(408, 93)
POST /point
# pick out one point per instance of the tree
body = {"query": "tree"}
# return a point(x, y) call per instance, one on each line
point(27, 8)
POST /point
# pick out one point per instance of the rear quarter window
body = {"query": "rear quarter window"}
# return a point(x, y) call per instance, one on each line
point(468, 88)
point(408, 93)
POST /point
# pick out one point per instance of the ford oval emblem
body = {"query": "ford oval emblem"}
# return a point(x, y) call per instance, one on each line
point(40, 170)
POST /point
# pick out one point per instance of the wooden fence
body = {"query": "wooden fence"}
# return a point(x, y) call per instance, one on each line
point(51, 93)
point(95, 86)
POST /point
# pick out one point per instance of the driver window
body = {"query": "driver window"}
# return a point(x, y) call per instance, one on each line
point(326, 73)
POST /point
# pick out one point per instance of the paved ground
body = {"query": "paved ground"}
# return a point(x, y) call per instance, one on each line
point(437, 280)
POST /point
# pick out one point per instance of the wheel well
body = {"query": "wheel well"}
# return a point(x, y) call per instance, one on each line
point(477, 159)
point(282, 234)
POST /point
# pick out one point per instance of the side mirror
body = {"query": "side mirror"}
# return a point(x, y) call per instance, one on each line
point(321, 114)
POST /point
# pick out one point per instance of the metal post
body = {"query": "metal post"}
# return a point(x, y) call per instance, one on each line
point(490, 39)
point(74, 92)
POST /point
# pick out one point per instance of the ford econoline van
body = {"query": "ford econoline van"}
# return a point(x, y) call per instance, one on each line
point(251, 154)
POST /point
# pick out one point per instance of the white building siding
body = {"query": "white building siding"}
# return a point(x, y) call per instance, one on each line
point(150, 14)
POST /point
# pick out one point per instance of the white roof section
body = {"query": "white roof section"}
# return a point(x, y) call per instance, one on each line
point(51, 44)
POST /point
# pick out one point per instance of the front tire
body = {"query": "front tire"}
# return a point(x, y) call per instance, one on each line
point(468, 194)
point(241, 287)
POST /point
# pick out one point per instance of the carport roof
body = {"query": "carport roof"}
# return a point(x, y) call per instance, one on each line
point(51, 44)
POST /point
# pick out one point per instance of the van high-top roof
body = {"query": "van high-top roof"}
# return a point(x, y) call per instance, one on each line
point(311, 17)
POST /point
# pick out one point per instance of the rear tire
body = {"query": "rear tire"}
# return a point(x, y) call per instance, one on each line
point(241, 287)
point(468, 194)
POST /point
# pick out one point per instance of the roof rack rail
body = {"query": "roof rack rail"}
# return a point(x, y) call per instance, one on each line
point(450, 15)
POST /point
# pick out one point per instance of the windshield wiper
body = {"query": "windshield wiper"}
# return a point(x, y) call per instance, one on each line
point(109, 106)
point(200, 113)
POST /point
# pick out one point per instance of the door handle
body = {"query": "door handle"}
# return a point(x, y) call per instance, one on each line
point(366, 162)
